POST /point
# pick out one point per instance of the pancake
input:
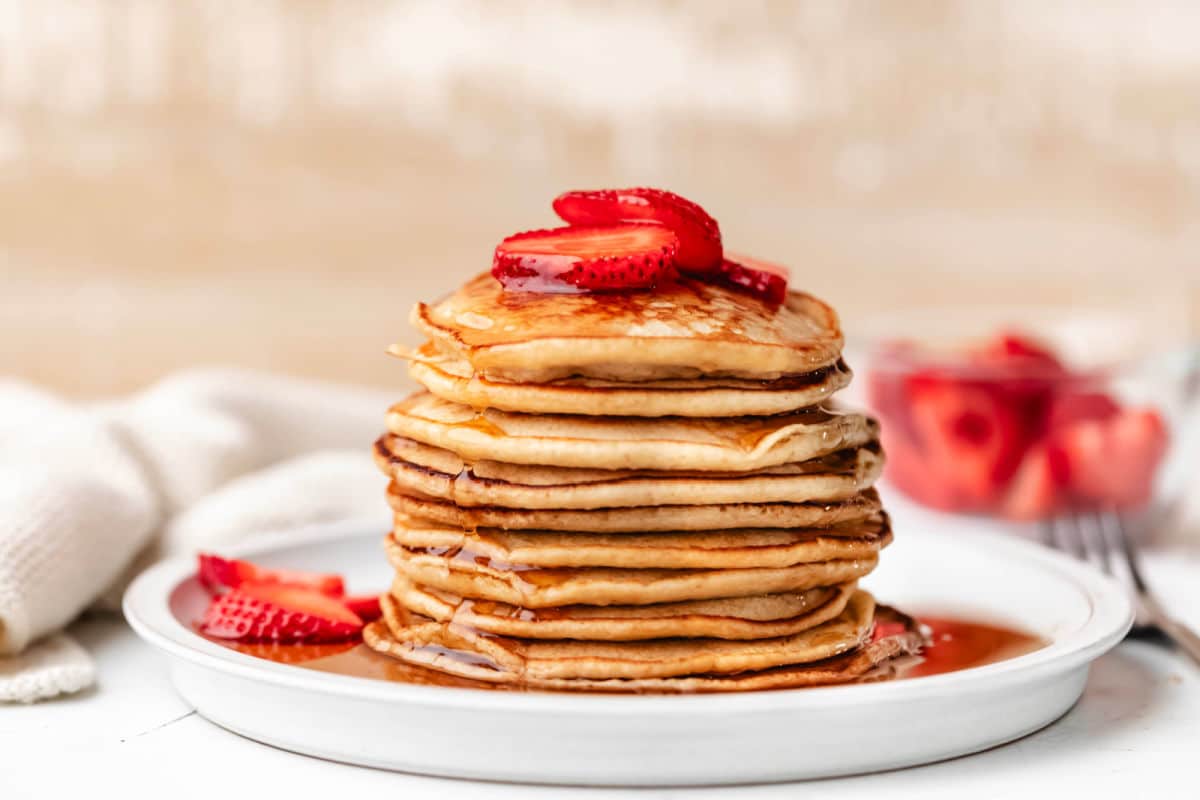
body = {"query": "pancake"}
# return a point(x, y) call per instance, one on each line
point(871, 660)
point(659, 443)
point(391, 448)
point(737, 549)
point(468, 574)
point(638, 519)
point(836, 477)
point(451, 377)
point(756, 617)
point(533, 661)
point(680, 330)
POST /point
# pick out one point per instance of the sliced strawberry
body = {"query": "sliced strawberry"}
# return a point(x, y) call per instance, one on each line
point(887, 628)
point(568, 260)
point(1025, 373)
point(1019, 351)
point(1070, 407)
point(887, 386)
point(910, 471)
point(969, 436)
point(699, 235)
point(1114, 461)
point(217, 573)
point(907, 466)
point(1013, 431)
point(260, 612)
point(1035, 492)
point(960, 432)
point(366, 606)
point(760, 278)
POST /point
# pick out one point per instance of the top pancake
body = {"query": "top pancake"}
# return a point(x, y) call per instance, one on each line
point(686, 329)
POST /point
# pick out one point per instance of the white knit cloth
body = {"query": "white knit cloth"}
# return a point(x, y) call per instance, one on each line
point(87, 494)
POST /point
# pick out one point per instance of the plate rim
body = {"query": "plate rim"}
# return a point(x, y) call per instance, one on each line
point(146, 606)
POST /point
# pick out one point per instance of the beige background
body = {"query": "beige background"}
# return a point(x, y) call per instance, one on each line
point(274, 183)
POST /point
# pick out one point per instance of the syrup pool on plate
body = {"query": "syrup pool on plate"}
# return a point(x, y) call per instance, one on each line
point(954, 644)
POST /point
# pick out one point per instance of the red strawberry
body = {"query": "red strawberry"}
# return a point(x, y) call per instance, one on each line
point(970, 436)
point(568, 260)
point(217, 573)
point(912, 473)
point(1014, 432)
point(887, 386)
point(1070, 407)
point(699, 235)
point(366, 606)
point(887, 628)
point(1019, 351)
point(1027, 374)
point(760, 278)
point(1114, 461)
point(259, 612)
point(1035, 491)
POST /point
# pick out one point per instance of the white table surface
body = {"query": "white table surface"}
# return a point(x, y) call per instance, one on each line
point(1135, 733)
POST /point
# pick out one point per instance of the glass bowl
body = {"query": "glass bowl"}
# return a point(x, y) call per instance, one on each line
point(1025, 414)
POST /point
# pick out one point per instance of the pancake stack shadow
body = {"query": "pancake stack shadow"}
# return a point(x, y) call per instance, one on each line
point(635, 493)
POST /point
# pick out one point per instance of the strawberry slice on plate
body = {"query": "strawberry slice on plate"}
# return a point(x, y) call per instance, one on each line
point(760, 278)
point(217, 574)
point(586, 259)
point(276, 612)
point(699, 235)
point(366, 606)
point(886, 628)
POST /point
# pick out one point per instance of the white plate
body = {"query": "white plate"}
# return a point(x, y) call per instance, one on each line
point(647, 740)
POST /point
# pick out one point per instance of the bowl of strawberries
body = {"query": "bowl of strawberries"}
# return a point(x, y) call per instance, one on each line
point(1025, 423)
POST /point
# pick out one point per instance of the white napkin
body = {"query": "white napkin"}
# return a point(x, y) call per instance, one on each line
point(198, 461)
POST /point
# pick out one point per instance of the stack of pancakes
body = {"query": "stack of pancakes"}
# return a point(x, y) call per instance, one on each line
point(635, 492)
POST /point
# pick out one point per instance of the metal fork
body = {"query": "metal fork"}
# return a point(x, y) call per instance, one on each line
point(1102, 538)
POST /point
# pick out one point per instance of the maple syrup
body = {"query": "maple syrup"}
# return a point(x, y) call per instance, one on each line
point(954, 644)
point(481, 424)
